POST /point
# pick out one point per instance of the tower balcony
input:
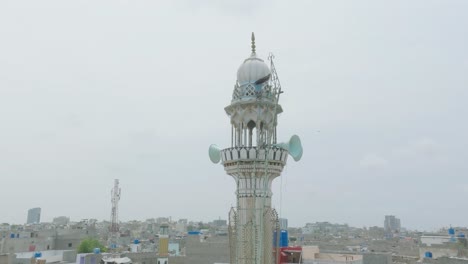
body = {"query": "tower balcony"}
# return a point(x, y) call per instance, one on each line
point(240, 161)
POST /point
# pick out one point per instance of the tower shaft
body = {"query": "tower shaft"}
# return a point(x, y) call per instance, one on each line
point(254, 162)
point(255, 221)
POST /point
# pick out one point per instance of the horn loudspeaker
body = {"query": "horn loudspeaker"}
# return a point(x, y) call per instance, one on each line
point(215, 153)
point(293, 146)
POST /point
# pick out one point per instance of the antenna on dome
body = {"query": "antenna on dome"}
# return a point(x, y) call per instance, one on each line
point(276, 89)
point(275, 83)
point(253, 43)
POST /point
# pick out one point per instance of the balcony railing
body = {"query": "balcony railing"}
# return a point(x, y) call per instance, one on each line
point(254, 154)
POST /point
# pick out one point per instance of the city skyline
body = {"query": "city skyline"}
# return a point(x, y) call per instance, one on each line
point(60, 221)
point(93, 92)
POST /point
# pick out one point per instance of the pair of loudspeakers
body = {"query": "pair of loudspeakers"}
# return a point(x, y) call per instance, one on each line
point(293, 146)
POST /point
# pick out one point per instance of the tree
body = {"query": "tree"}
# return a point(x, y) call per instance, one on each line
point(89, 244)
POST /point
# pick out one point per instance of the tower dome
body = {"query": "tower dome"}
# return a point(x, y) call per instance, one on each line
point(252, 78)
point(252, 70)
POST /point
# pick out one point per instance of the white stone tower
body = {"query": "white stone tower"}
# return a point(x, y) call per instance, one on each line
point(254, 160)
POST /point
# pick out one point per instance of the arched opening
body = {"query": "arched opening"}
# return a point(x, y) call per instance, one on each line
point(251, 126)
point(261, 135)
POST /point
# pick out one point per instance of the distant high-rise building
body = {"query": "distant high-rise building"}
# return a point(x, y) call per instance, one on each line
point(283, 223)
point(392, 224)
point(219, 222)
point(34, 216)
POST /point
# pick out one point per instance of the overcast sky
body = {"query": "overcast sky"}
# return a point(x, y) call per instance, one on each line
point(91, 91)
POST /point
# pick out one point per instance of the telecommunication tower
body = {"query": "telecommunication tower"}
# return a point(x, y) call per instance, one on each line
point(114, 226)
point(254, 160)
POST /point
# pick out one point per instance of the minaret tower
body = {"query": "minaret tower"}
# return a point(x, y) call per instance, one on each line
point(163, 250)
point(254, 160)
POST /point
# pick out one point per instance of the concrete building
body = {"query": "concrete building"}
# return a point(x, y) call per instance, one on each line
point(312, 255)
point(61, 220)
point(48, 256)
point(324, 228)
point(376, 232)
point(392, 225)
point(377, 259)
point(445, 260)
point(219, 223)
point(7, 258)
point(163, 220)
point(48, 239)
point(181, 227)
point(212, 250)
point(434, 240)
point(254, 159)
point(34, 216)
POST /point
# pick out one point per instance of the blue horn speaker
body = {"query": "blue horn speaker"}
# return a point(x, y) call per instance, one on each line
point(215, 153)
point(293, 146)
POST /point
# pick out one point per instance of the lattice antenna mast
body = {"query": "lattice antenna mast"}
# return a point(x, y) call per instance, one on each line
point(276, 89)
point(114, 227)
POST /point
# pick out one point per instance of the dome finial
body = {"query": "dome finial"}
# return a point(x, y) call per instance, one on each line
point(253, 43)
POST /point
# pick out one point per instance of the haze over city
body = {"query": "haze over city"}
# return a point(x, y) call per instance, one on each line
point(96, 91)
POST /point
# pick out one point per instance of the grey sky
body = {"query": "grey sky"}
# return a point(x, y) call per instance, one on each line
point(96, 90)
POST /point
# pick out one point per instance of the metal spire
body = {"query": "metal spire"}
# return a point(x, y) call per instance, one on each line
point(253, 43)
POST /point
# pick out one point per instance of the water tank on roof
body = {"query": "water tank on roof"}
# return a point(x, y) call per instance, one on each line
point(283, 239)
point(136, 241)
point(461, 235)
point(97, 251)
point(37, 255)
point(451, 231)
point(428, 254)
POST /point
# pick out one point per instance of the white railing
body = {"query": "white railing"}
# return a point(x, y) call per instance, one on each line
point(253, 153)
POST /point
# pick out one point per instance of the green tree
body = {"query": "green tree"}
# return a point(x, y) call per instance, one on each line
point(88, 245)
